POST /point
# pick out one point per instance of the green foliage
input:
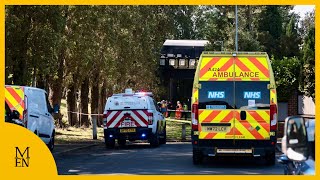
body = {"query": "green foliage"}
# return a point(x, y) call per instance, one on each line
point(291, 35)
point(287, 75)
point(309, 63)
point(270, 30)
point(120, 45)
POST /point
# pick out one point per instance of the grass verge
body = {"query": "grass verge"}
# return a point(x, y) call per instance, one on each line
point(74, 135)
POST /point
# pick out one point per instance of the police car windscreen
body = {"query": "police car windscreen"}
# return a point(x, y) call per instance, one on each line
point(234, 95)
point(127, 102)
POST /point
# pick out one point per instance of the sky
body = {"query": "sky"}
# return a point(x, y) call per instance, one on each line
point(303, 9)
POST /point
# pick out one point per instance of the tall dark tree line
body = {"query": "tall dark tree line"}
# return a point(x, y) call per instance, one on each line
point(85, 53)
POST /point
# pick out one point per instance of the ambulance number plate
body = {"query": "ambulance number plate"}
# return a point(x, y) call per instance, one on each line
point(128, 130)
point(216, 128)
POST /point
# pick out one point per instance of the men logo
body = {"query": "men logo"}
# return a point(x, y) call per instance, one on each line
point(22, 159)
point(216, 94)
point(252, 95)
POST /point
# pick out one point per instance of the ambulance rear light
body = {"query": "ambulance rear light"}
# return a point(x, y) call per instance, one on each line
point(273, 117)
point(194, 117)
point(150, 118)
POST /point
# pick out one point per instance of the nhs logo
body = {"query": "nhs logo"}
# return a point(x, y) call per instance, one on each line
point(252, 95)
point(216, 94)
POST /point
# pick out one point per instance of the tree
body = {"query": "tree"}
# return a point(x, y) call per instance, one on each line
point(270, 30)
point(309, 63)
point(291, 35)
point(287, 75)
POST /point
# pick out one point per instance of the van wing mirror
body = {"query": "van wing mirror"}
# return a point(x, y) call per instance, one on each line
point(271, 86)
point(198, 86)
point(296, 139)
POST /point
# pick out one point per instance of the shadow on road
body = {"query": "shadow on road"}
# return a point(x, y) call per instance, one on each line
point(141, 158)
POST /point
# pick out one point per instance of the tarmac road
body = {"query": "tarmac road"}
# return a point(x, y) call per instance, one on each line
point(140, 158)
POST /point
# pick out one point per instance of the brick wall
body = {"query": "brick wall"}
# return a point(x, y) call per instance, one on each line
point(292, 110)
point(293, 104)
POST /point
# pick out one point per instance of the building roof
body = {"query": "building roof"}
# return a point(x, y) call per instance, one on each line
point(185, 43)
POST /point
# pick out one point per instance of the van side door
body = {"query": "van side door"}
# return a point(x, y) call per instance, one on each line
point(40, 120)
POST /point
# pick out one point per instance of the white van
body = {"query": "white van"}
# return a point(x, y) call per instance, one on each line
point(133, 116)
point(34, 109)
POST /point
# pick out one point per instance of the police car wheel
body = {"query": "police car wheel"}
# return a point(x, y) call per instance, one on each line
point(163, 140)
point(110, 143)
point(121, 142)
point(154, 141)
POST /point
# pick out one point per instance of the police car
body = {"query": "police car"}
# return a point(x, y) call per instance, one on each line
point(133, 116)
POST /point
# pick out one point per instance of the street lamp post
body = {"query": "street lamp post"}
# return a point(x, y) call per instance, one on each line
point(236, 41)
point(221, 42)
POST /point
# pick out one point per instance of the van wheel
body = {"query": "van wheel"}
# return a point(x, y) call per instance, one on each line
point(197, 157)
point(51, 143)
point(121, 142)
point(270, 159)
point(154, 140)
point(110, 143)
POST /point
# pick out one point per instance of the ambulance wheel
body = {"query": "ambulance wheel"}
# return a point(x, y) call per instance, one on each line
point(121, 142)
point(110, 143)
point(154, 140)
point(197, 157)
point(270, 159)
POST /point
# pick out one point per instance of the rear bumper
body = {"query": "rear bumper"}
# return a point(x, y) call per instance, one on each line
point(220, 147)
point(141, 134)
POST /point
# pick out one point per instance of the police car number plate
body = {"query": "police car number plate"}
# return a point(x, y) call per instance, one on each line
point(216, 128)
point(128, 130)
point(240, 151)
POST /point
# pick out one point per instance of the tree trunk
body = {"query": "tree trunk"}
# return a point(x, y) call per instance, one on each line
point(56, 88)
point(20, 57)
point(95, 99)
point(84, 98)
point(102, 101)
point(71, 105)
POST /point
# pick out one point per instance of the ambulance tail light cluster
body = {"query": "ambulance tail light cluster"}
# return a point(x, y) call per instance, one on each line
point(273, 117)
point(150, 118)
point(194, 116)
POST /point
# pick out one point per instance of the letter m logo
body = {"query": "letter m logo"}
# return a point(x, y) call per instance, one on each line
point(22, 158)
point(216, 95)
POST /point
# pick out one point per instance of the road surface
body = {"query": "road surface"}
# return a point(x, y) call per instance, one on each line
point(140, 158)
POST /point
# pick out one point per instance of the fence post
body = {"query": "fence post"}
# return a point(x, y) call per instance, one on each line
point(183, 137)
point(94, 126)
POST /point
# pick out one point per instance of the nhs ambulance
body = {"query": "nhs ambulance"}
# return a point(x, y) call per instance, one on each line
point(234, 106)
